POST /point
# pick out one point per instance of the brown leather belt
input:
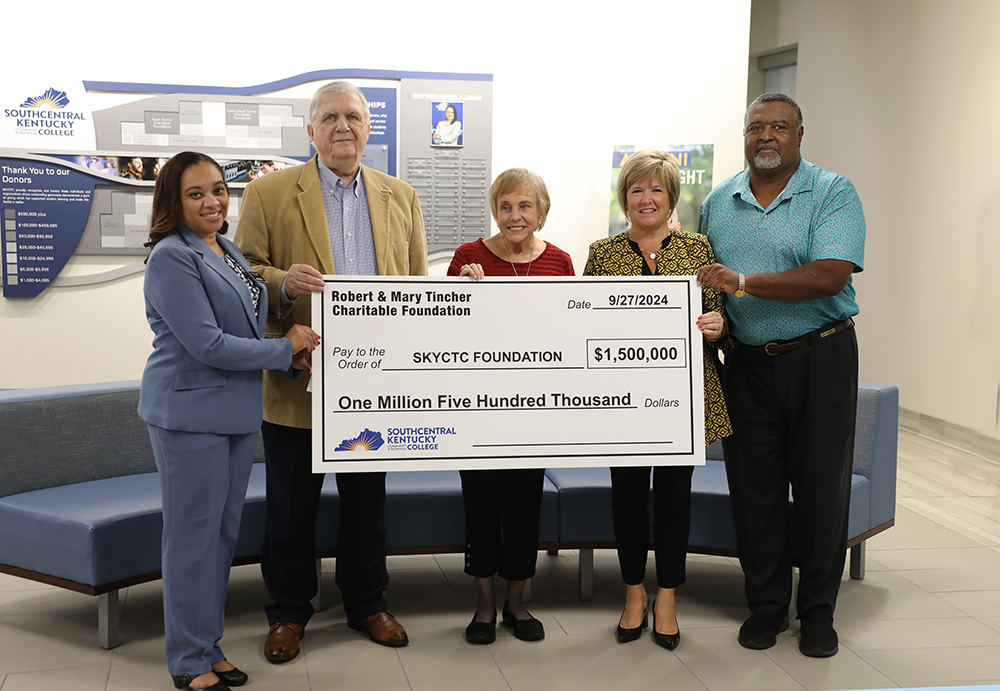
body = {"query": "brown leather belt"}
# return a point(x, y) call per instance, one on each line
point(781, 347)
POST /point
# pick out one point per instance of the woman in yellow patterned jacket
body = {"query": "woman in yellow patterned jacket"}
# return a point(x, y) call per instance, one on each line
point(648, 188)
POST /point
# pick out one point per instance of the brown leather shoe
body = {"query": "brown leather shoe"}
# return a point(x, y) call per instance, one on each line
point(282, 642)
point(382, 628)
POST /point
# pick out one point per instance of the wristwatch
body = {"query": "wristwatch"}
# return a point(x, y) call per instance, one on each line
point(741, 290)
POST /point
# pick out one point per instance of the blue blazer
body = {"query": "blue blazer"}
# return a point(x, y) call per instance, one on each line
point(204, 374)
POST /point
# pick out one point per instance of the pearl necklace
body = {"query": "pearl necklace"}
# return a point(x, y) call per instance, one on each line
point(531, 251)
point(652, 255)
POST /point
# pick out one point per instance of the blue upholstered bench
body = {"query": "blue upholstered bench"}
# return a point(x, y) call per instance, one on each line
point(80, 500)
point(585, 493)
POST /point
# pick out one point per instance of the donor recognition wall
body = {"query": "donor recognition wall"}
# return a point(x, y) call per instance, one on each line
point(78, 161)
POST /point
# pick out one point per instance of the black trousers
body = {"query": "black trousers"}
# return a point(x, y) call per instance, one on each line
point(288, 560)
point(793, 422)
point(671, 521)
point(501, 521)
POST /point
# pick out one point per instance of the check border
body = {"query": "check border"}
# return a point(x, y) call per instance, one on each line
point(658, 452)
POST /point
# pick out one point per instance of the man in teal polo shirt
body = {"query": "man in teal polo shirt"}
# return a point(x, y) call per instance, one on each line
point(788, 235)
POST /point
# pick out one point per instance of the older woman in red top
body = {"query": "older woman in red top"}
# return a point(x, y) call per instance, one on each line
point(502, 506)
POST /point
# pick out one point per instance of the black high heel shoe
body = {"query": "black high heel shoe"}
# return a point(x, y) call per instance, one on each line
point(628, 635)
point(666, 640)
point(184, 682)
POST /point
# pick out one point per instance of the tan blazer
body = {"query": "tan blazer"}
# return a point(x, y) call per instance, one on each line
point(283, 222)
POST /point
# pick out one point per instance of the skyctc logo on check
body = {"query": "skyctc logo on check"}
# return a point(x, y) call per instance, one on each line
point(398, 438)
point(415, 438)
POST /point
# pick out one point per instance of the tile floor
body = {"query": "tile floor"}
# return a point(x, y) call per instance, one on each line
point(927, 614)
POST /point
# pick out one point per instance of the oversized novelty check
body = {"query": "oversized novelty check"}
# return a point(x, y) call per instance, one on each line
point(418, 373)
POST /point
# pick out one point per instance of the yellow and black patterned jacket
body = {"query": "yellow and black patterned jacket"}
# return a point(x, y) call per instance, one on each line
point(683, 256)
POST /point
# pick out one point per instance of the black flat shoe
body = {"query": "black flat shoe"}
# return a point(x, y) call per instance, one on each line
point(667, 640)
point(482, 632)
point(529, 629)
point(184, 682)
point(761, 630)
point(818, 637)
point(234, 677)
point(629, 635)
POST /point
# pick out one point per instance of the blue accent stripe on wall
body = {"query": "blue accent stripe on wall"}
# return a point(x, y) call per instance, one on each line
point(131, 87)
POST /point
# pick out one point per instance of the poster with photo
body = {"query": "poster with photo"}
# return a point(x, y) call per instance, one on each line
point(695, 162)
point(446, 124)
point(250, 170)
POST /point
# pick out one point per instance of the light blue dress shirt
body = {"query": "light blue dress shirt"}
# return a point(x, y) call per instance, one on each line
point(349, 223)
point(817, 216)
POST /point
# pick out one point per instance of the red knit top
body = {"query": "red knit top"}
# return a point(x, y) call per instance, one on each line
point(551, 262)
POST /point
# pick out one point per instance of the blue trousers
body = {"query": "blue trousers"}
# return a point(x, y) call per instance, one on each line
point(203, 481)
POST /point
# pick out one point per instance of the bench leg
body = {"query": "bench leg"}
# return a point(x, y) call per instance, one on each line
point(586, 574)
point(795, 594)
point(858, 561)
point(317, 601)
point(108, 617)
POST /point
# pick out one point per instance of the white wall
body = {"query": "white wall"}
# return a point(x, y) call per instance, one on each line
point(647, 72)
point(901, 96)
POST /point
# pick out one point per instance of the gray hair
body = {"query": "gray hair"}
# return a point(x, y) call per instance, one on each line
point(338, 88)
point(775, 96)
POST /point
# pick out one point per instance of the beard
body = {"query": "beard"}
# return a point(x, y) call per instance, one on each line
point(767, 159)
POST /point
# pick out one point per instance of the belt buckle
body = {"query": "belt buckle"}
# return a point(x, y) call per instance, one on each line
point(767, 349)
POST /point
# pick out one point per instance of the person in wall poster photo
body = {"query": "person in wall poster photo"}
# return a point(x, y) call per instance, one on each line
point(446, 119)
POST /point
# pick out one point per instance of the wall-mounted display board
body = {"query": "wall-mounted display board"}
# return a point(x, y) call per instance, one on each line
point(78, 161)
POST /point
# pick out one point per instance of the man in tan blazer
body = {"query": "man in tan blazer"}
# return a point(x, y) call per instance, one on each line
point(329, 216)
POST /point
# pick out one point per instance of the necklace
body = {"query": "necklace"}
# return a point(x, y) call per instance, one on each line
point(652, 255)
point(531, 251)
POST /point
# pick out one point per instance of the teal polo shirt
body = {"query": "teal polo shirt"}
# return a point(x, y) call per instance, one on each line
point(817, 216)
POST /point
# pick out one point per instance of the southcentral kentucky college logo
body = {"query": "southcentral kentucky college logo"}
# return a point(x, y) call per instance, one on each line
point(45, 115)
point(50, 99)
point(366, 441)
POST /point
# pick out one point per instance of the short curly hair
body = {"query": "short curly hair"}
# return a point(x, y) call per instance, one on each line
point(510, 180)
point(770, 96)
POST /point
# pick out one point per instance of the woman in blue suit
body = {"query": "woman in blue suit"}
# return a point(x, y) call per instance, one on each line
point(202, 399)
